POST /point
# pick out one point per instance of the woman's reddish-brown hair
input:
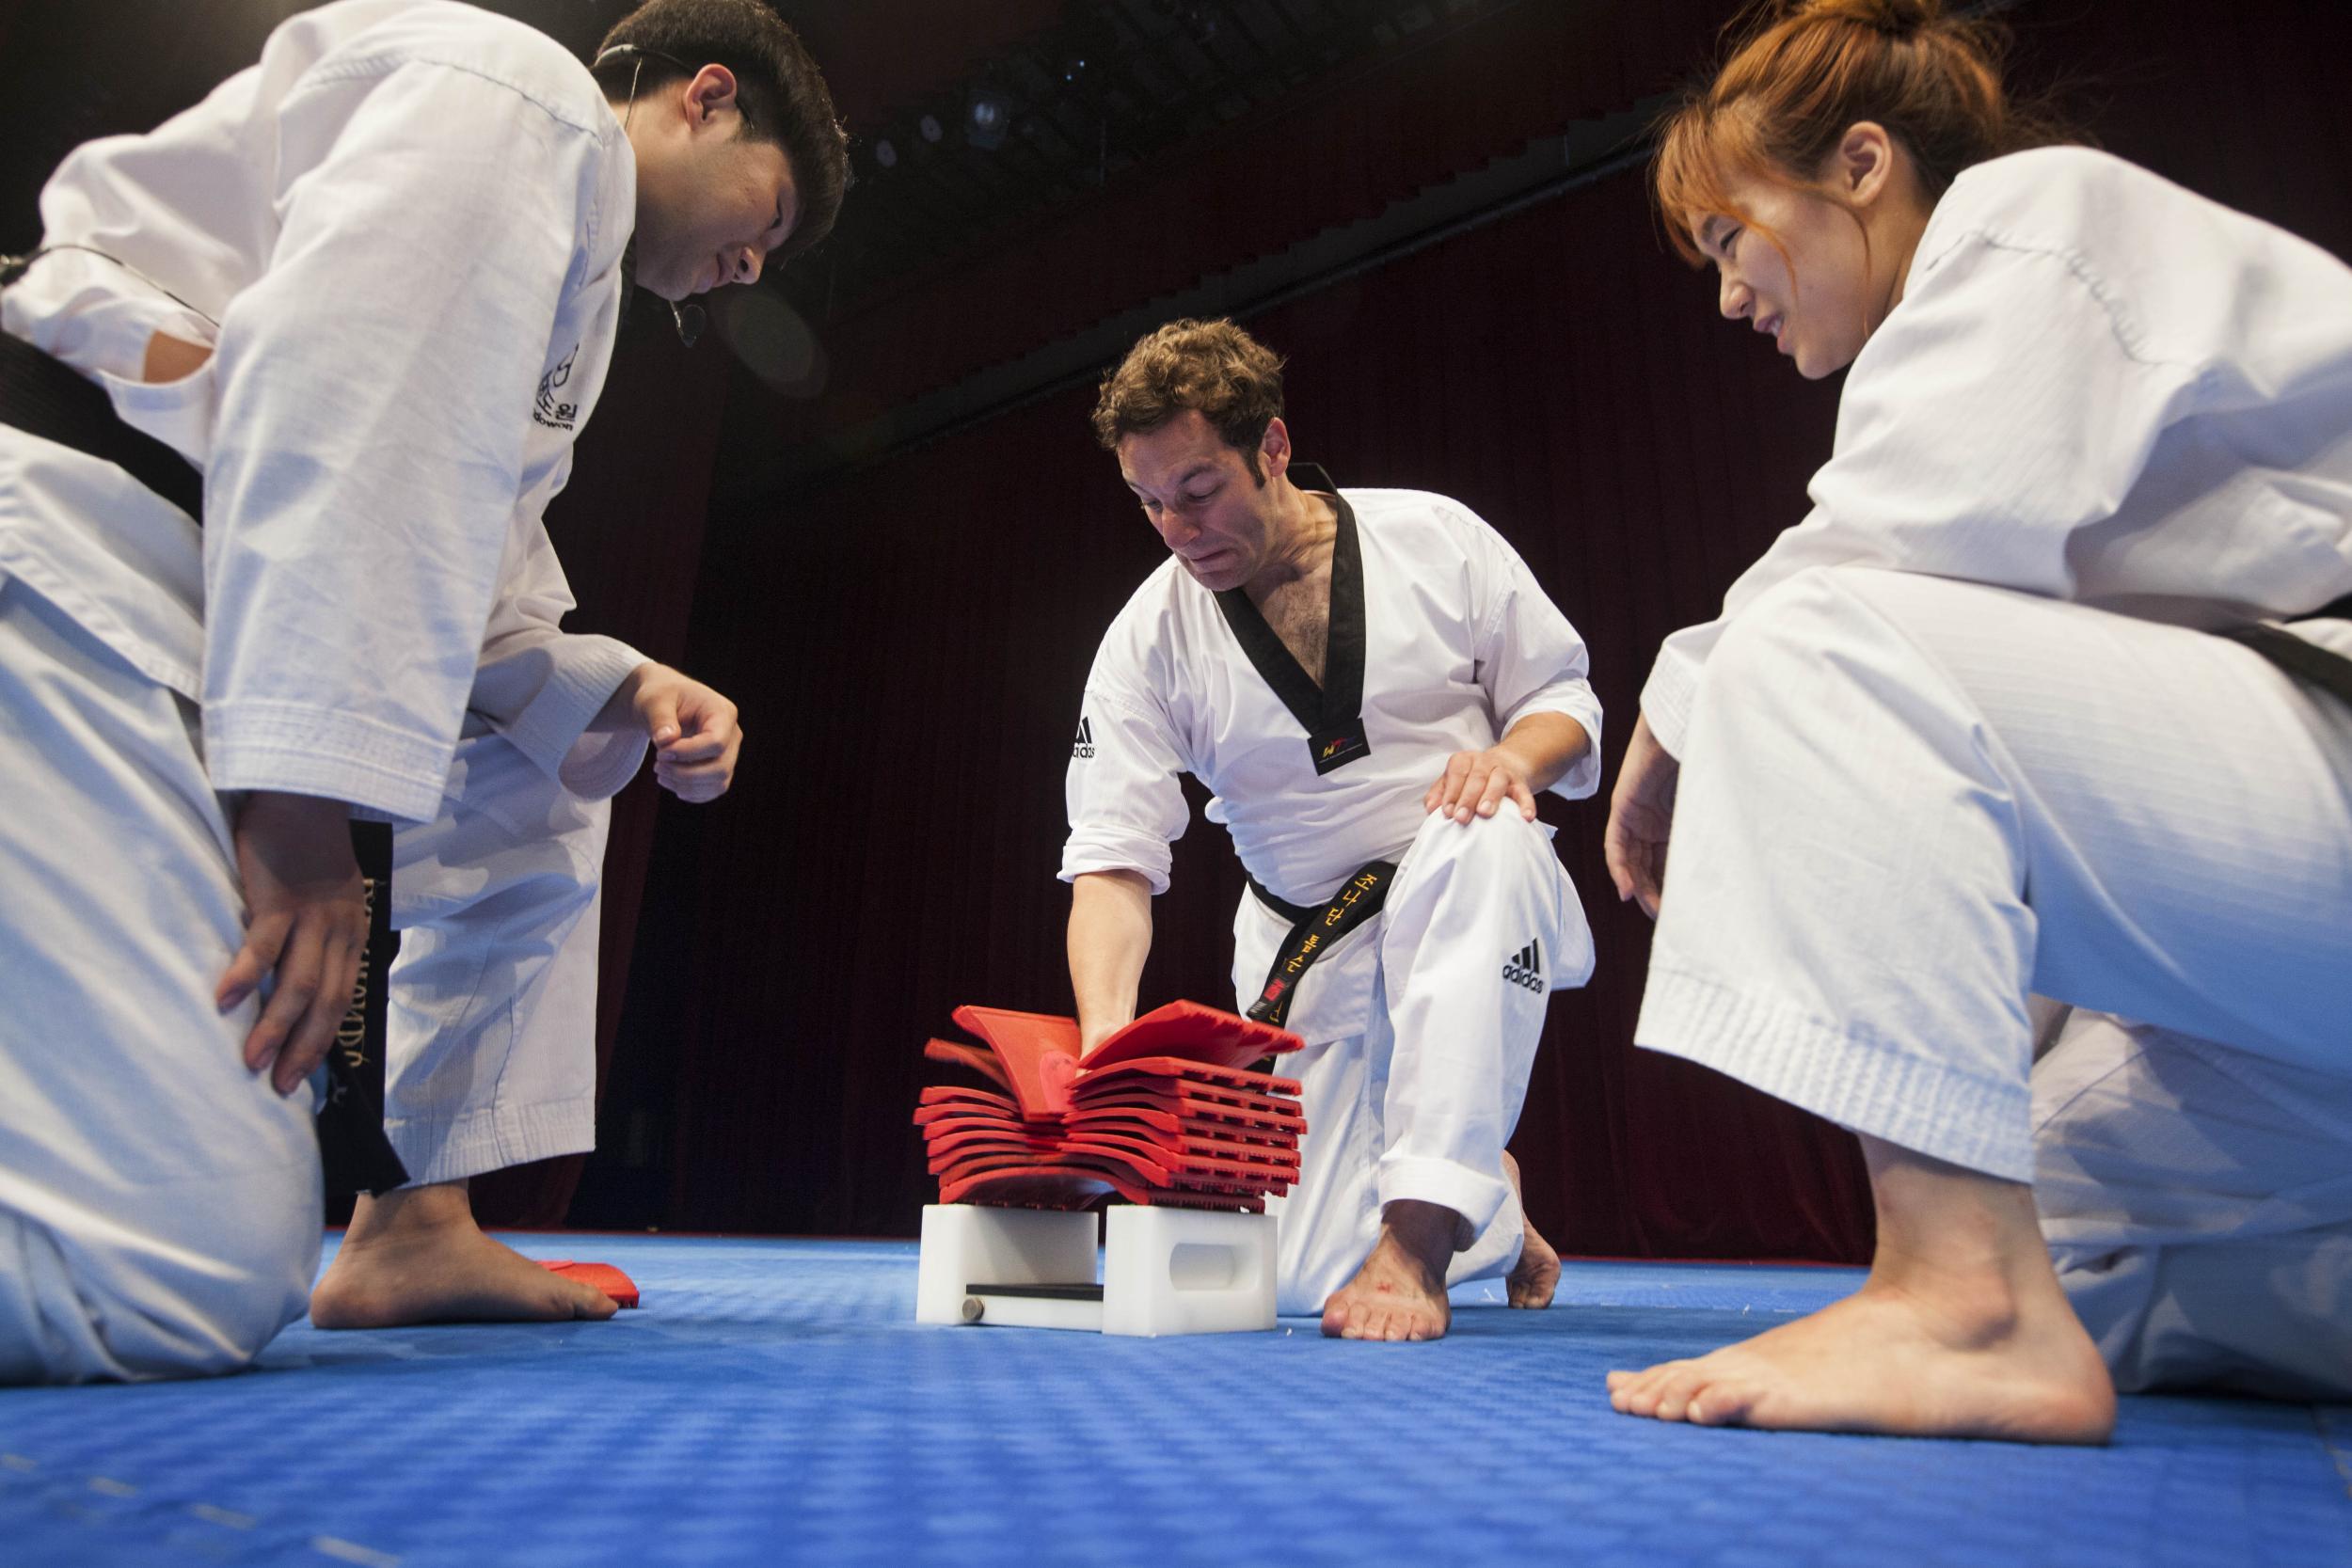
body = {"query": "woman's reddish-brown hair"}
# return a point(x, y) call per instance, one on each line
point(1803, 71)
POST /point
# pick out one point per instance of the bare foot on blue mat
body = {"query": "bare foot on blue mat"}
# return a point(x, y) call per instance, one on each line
point(1961, 1331)
point(1882, 1361)
point(416, 1255)
point(1400, 1291)
point(1537, 1274)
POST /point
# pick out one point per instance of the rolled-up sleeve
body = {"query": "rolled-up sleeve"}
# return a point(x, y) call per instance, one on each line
point(376, 394)
point(541, 687)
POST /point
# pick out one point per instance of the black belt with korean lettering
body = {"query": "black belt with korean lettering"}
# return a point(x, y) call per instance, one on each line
point(43, 396)
point(1315, 932)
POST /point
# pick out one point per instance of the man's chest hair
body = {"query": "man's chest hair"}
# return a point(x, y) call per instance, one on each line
point(1299, 612)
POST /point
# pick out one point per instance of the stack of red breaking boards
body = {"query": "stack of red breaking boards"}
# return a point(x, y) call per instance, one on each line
point(1165, 1111)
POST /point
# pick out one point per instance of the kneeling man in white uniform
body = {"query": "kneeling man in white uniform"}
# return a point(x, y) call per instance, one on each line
point(1374, 686)
point(342, 321)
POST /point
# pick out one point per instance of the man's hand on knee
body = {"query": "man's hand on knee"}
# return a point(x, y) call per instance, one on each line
point(1537, 753)
point(1476, 784)
point(305, 923)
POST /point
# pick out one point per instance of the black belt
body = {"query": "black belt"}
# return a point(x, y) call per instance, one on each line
point(43, 396)
point(357, 1155)
point(1312, 933)
point(2323, 667)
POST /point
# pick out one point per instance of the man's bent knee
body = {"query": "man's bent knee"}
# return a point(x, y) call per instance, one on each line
point(1505, 841)
point(120, 1305)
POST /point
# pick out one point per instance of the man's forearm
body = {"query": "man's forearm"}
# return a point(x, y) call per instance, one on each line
point(1546, 746)
point(1110, 936)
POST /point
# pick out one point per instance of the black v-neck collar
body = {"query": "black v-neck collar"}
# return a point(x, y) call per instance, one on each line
point(1330, 714)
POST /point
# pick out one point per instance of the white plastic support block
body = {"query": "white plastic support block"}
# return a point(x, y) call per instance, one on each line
point(1166, 1271)
point(1186, 1271)
point(964, 1244)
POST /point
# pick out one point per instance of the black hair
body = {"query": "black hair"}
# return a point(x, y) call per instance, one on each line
point(779, 90)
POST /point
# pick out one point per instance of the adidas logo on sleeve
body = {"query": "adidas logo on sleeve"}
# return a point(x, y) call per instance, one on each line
point(1526, 968)
point(1082, 749)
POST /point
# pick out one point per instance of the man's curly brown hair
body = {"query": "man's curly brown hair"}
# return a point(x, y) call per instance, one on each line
point(1232, 380)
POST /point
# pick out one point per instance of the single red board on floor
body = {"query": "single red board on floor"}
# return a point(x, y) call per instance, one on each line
point(602, 1276)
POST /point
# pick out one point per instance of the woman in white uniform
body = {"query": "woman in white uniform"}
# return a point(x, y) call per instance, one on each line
point(1968, 732)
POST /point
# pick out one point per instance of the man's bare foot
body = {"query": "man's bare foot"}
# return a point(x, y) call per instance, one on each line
point(1537, 1274)
point(1400, 1291)
point(1961, 1331)
point(416, 1255)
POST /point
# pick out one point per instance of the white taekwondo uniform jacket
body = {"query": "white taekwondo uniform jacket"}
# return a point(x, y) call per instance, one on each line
point(405, 226)
point(2098, 387)
point(1459, 644)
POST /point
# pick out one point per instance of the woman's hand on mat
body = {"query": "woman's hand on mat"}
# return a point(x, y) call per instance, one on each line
point(693, 728)
point(1476, 784)
point(306, 923)
point(1641, 813)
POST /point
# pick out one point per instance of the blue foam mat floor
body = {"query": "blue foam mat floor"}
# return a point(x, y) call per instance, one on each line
point(773, 1402)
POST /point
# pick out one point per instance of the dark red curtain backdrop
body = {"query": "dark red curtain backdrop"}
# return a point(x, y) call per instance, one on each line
point(909, 645)
point(1487, 80)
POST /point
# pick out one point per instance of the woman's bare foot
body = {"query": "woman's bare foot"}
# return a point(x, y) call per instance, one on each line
point(1536, 1275)
point(1961, 1331)
point(416, 1255)
point(1400, 1291)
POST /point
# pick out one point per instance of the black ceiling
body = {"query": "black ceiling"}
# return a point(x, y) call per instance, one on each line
point(1111, 84)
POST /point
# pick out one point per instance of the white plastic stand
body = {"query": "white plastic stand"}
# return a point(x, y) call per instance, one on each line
point(966, 1244)
point(1188, 1271)
point(1166, 1271)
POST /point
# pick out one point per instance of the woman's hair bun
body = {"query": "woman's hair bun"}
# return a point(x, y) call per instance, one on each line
point(1897, 18)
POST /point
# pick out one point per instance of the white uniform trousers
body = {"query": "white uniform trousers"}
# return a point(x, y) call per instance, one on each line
point(2198, 1202)
point(159, 1205)
point(1421, 1029)
point(1905, 801)
point(493, 999)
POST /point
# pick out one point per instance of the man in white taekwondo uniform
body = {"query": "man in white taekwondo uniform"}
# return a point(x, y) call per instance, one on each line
point(368, 288)
point(1362, 676)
